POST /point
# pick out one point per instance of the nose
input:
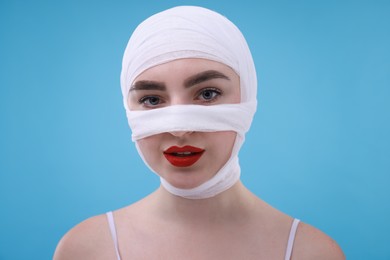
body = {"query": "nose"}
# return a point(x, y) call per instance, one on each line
point(180, 133)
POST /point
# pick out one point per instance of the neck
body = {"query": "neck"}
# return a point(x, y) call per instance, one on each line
point(231, 204)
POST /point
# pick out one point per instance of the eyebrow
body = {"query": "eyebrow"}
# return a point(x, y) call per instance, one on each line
point(189, 82)
point(204, 76)
point(148, 85)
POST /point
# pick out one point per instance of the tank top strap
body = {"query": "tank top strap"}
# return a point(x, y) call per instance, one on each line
point(290, 244)
point(111, 224)
point(291, 239)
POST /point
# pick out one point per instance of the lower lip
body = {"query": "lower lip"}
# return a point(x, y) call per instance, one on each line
point(183, 161)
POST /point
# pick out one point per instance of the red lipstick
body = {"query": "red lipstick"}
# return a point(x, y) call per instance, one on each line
point(183, 156)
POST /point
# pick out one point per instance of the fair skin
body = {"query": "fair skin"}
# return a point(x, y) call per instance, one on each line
point(235, 224)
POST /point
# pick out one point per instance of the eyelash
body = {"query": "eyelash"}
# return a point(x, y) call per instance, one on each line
point(144, 99)
point(215, 91)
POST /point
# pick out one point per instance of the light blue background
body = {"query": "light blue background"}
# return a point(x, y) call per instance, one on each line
point(318, 148)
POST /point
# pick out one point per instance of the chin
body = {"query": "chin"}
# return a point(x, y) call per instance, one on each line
point(184, 182)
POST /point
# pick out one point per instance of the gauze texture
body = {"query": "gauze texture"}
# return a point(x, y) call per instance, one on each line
point(192, 32)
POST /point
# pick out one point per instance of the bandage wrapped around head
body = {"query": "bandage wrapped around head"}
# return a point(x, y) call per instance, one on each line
point(192, 32)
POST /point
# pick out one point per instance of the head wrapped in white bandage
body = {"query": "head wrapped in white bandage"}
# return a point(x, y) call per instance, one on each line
point(192, 32)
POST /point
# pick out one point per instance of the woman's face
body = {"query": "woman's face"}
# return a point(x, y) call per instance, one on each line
point(186, 159)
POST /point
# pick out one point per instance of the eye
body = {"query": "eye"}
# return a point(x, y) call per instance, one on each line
point(150, 101)
point(209, 94)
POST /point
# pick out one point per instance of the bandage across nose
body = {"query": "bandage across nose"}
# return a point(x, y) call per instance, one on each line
point(224, 117)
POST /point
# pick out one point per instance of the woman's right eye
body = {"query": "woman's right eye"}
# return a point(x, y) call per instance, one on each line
point(150, 101)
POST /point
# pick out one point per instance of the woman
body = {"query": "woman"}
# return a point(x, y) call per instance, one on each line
point(189, 87)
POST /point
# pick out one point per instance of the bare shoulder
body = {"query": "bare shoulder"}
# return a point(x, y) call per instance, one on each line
point(311, 243)
point(91, 239)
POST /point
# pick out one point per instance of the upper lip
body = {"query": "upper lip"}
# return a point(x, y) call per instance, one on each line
point(184, 149)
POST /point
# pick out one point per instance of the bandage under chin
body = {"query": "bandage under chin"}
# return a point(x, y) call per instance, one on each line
point(224, 117)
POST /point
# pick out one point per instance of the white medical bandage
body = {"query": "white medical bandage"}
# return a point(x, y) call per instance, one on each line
point(191, 118)
point(192, 32)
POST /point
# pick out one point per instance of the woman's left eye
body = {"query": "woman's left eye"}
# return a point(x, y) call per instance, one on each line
point(209, 94)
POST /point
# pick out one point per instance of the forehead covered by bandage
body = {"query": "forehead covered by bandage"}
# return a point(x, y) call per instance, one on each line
point(188, 32)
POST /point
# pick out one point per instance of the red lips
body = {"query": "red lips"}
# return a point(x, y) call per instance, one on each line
point(183, 156)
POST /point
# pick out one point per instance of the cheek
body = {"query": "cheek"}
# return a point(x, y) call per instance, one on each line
point(234, 96)
point(236, 91)
point(132, 102)
point(228, 139)
point(149, 147)
point(224, 142)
